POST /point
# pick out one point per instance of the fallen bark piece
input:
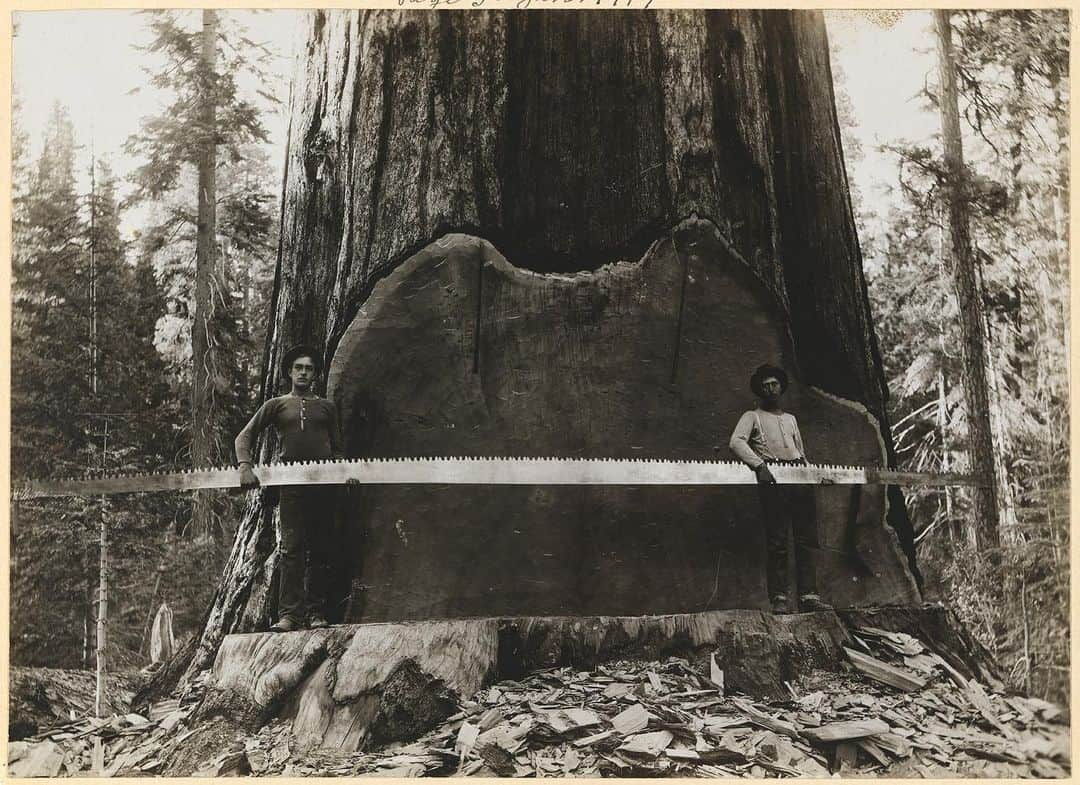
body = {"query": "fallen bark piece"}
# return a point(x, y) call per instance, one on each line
point(467, 735)
point(406, 772)
point(1048, 711)
point(845, 757)
point(884, 673)
point(617, 690)
point(723, 722)
point(42, 759)
point(923, 663)
point(812, 701)
point(766, 721)
point(893, 743)
point(651, 744)
point(873, 750)
point(566, 720)
point(845, 731)
point(631, 720)
point(231, 764)
point(716, 674)
point(900, 642)
point(596, 738)
point(499, 760)
point(489, 719)
point(683, 754)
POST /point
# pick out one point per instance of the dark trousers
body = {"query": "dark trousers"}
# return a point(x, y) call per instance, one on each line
point(307, 547)
point(790, 508)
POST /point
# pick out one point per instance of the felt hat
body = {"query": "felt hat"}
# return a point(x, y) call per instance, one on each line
point(767, 371)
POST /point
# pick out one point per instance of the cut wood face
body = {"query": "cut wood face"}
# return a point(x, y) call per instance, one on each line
point(458, 352)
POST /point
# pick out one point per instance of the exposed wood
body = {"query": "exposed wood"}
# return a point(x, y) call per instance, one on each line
point(873, 750)
point(631, 720)
point(883, 672)
point(938, 628)
point(650, 744)
point(102, 612)
point(406, 127)
point(408, 351)
point(845, 731)
point(716, 673)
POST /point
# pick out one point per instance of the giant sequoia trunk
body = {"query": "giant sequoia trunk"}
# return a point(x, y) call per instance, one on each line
point(442, 168)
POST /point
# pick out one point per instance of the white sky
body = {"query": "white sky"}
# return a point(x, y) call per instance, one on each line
point(87, 60)
point(885, 58)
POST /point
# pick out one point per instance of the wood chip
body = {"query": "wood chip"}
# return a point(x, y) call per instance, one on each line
point(845, 757)
point(466, 738)
point(566, 720)
point(589, 741)
point(873, 750)
point(884, 673)
point(682, 754)
point(499, 760)
point(648, 744)
point(570, 761)
point(892, 743)
point(844, 731)
point(489, 719)
point(764, 720)
point(617, 690)
point(631, 720)
point(716, 674)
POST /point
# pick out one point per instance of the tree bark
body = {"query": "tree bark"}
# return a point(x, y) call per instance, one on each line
point(568, 141)
point(970, 303)
point(203, 419)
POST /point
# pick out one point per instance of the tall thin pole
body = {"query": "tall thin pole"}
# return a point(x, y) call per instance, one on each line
point(93, 274)
point(103, 590)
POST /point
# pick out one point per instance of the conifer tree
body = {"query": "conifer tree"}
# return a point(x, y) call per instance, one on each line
point(207, 123)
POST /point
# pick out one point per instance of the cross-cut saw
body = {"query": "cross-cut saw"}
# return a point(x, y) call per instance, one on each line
point(491, 471)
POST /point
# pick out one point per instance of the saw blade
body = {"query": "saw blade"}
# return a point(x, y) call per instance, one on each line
point(489, 471)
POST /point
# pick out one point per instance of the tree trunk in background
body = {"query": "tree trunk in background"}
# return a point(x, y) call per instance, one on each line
point(569, 141)
point(203, 416)
point(970, 303)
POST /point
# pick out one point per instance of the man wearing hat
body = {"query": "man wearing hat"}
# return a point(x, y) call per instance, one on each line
point(307, 427)
point(768, 435)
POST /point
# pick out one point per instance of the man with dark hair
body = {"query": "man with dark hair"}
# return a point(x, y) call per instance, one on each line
point(307, 427)
point(769, 435)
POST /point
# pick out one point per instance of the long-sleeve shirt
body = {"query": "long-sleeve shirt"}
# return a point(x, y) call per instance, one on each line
point(762, 436)
point(307, 427)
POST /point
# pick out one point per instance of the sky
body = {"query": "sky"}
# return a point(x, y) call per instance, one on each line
point(87, 60)
point(884, 58)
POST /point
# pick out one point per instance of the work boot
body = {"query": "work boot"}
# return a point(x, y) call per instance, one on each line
point(318, 622)
point(285, 624)
point(812, 603)
point(780, 604)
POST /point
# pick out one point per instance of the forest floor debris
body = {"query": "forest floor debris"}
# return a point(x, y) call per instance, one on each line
point(658, 718)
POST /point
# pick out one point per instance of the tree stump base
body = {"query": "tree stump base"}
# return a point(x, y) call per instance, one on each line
point(352, 686)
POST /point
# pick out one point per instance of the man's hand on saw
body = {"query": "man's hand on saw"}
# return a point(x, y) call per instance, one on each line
point(764, 476)
point(248, 480)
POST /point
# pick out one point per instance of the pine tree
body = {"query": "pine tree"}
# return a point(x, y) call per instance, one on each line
point(51, 543)
point(207, 123)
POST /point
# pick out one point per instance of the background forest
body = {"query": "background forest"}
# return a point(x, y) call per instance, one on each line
point(124, 334)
